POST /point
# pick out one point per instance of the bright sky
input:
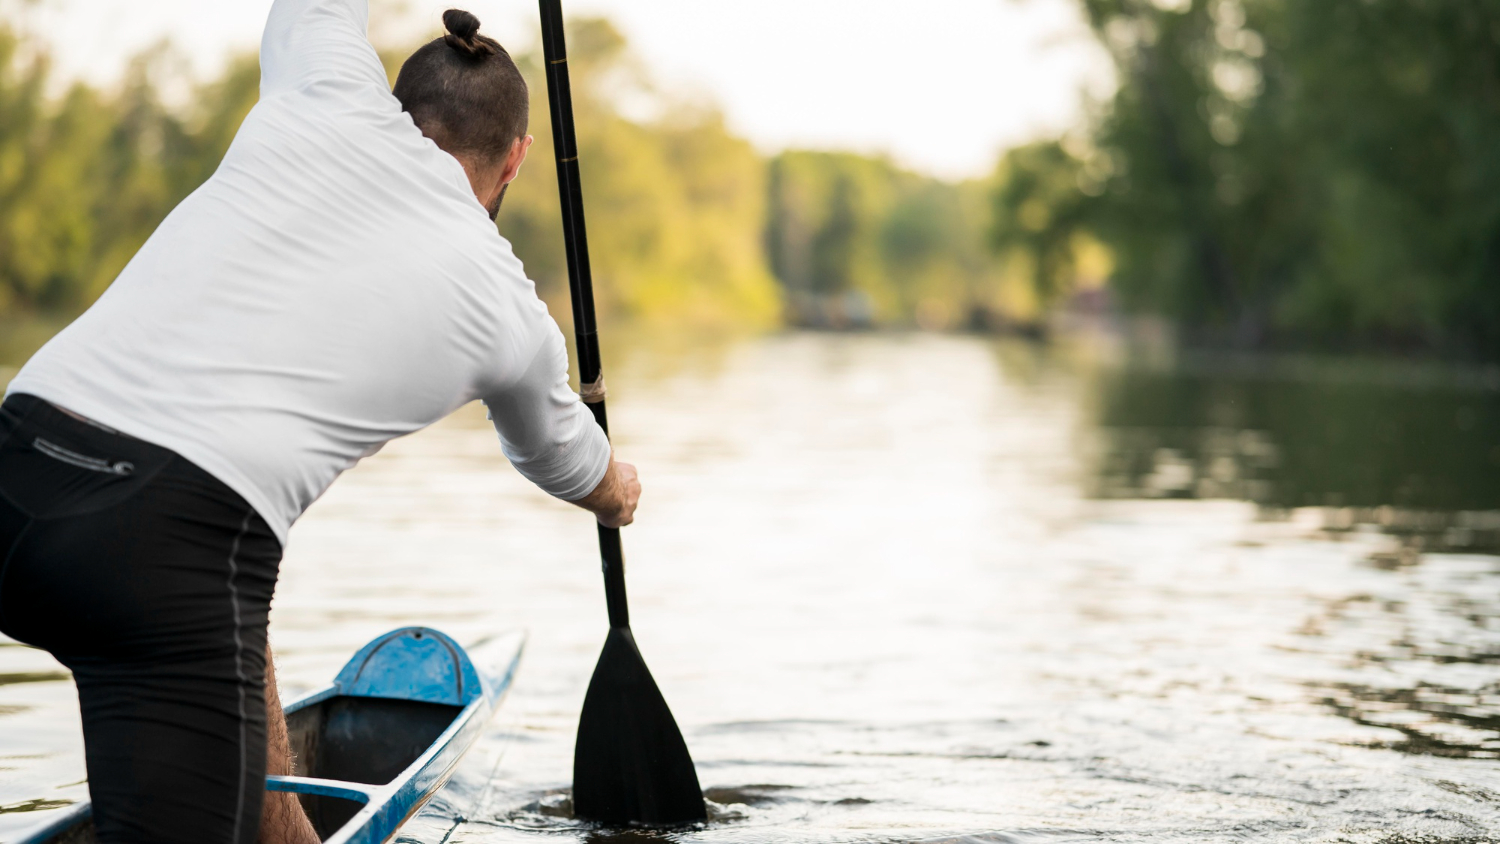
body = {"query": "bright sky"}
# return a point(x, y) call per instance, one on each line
point(941, 85)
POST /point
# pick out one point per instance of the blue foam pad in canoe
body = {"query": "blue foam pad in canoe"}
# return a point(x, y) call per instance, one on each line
point(413, 663)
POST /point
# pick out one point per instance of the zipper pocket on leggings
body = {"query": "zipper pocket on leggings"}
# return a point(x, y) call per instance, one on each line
point(83, 461)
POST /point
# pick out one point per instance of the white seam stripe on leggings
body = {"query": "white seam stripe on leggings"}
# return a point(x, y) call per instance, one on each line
point(239, 668)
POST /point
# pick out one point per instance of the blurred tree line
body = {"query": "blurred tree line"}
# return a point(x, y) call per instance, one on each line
point(1289, 173)
point(1268, 172)
point(687, 222)
point(86, 176)
point(855, 240)
point(676, 203)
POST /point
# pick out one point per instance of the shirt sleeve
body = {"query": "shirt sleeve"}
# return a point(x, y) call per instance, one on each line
point(309, 41)
point(546, 432)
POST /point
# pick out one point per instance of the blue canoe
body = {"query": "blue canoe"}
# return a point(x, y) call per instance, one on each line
point(379, 741)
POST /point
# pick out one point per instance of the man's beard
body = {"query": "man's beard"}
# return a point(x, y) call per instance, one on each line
point(495, 208)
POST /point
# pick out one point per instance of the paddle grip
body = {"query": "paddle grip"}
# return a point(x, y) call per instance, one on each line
point(580, 277)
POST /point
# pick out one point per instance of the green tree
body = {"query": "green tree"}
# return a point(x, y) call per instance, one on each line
point(86, 178)
point(1281, 172)
point(855, 240)
point(1040, 212)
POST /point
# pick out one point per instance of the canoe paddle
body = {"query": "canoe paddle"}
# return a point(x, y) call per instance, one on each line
point(630, 764)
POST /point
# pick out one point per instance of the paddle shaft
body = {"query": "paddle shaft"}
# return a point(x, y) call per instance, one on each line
point(580, 279)
point(630, 763)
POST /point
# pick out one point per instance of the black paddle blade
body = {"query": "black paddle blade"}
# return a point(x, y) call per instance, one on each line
point(630, 764)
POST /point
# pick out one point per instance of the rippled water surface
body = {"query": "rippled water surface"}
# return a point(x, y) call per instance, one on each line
point(924, 588)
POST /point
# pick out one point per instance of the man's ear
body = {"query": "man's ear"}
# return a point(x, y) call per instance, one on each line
point(515, 158)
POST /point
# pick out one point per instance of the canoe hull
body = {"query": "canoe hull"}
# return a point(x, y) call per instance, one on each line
point(377, 743)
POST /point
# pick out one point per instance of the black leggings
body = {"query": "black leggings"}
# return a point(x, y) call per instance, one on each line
point(151, 580)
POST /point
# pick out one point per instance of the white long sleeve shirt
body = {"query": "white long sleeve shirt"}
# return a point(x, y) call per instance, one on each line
point(333, 286)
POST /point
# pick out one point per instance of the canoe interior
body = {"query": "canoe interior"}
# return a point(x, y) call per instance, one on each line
point(355, 739)
point(359, 739)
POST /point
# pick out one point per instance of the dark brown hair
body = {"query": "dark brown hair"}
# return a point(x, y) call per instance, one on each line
point(464, 91)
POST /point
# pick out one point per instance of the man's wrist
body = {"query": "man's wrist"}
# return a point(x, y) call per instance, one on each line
point(605, 499)
point(613, 501)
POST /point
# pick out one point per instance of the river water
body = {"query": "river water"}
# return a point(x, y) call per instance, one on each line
point(925, 588)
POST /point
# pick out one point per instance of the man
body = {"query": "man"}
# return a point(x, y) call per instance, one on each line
point(337, 283)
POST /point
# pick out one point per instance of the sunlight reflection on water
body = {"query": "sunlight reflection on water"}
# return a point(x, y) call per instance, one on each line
point(870, 580)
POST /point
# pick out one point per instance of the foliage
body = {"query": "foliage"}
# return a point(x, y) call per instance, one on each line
point(1280, 172)
point(1268, 172)
point(85, 177)
point(675, 204)
point(856, 240)
point(1042, 220)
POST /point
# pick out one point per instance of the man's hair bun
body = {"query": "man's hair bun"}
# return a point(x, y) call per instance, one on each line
point(463, 35)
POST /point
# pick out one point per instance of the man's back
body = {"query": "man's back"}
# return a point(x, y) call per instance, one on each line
point(334, 285)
